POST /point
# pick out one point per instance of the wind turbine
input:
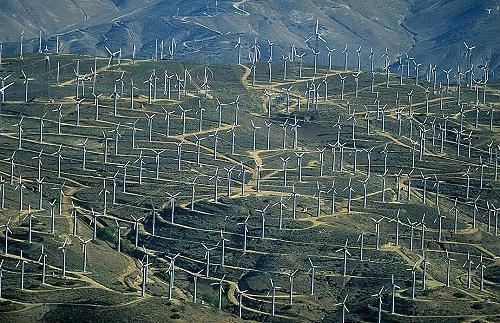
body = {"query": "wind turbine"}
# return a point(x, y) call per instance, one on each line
point(393, 288)
point(63, 249)
point(6, 235)
point(30, 216)
point(195, 282)
point(281, 206)
point(84, 251)
point(469, 53)
point(136, 227)
point(20, 131)
point(21, 46)
point(239, 46)
point(207, 257)
point(119, 233)
point(481, 267)
point(4, 87)
point(240, 300)
point(344, 308)
point(171, 273)
point(346, 252)
point(273, 290)
point(20, 186)
point(221, 290)
point(379, 296)
point(312, 270)
point(144, 270)
point(43, 258)
point(245, 232)
point(22, 261)
point(448, 266)
point(1, 276)
point(346, 53)
point(172, 205)
point(263, 216)
point(113, 55)
point(317, 36)
point(291, 277)
point(468, 263)
point(285, 161)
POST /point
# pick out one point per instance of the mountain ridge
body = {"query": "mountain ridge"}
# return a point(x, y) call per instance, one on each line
point(204, 31)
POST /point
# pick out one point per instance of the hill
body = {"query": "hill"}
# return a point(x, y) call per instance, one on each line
point(205, 31)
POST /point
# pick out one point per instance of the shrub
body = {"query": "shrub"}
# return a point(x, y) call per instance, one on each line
point(212, 298)
point(108, 234)
point(126, 245)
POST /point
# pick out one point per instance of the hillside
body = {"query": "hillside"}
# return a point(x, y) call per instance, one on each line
point(206, 32)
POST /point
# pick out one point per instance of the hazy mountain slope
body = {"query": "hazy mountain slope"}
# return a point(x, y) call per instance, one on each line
point(430, 30)
point(53, 16)
point(203, 31)
point(454, 22)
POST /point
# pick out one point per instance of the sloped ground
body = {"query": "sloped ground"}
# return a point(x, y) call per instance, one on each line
point(430, 31)
point(111, 287)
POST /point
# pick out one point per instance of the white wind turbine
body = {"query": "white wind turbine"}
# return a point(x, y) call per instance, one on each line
point(144, 273)
point(30, 216)
point(172, 198)
point(63, 249)
point(84, 251)
point(3, 88)
point(392, 288)
point(20, 131)
point(207, 257)
point(221, 290)
point(196, 276)
point(263, 216)
point(22, 261)
point(273, 290)
point(245, 232)
point(26, 80)
point(113, 55)
point(21, 45)
point(136, 228)
point(379, 296)
point(346, 252)
point(43, 259)
point(344, 308)
point(119, 234)
point(6, 236)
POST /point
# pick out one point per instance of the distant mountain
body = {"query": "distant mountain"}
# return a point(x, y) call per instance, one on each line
point(54, 16)
point(442, 27)
point(431, 31)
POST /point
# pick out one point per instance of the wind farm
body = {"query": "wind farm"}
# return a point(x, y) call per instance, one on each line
point(325, 183)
